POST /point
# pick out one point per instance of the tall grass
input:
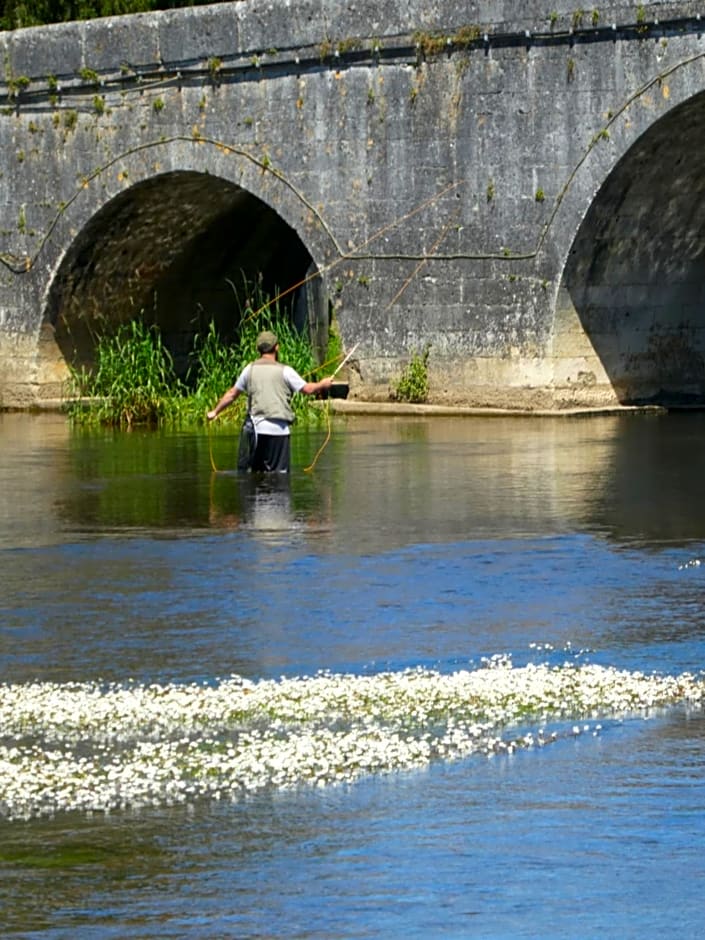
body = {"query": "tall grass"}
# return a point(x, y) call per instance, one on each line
point(134, 382)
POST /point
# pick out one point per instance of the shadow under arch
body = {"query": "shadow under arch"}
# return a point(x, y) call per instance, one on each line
point(635, 275)
point(179, 249)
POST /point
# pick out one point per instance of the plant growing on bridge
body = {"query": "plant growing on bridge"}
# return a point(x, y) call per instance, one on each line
point(214, 66)
point(466, 36)
point(604, 134)
point(430, 44)
point(90, 76)
point(352, 44)
point(641, 18)
point(70, 119)
point(16, 84)
point(412, 385)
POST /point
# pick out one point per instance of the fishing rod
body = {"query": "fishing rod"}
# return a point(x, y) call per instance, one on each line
point(347, 358)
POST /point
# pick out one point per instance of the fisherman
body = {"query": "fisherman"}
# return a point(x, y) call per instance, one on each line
point(269, 385)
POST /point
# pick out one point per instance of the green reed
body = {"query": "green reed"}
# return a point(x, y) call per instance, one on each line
point(134, 382)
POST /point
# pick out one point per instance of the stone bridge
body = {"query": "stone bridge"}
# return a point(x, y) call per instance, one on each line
point(516, 184)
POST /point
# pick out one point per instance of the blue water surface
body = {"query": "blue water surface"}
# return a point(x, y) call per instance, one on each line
point(431, 542)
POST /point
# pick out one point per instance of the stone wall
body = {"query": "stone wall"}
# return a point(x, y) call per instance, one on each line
point(511, 184)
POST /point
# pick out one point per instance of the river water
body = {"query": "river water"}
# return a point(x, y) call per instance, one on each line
point(440, 543)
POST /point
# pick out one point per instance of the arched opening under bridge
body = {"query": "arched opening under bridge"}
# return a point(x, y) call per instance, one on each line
point(182, 250)
point(635, 275)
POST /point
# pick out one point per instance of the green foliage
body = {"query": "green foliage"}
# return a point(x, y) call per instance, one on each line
point(15, 14)
point(90, 76)
point(70, 119)
point(412, 385)
point(214, 66)
point(430, 44)
point(214, 367)
point(133, 382)
point(294, 348)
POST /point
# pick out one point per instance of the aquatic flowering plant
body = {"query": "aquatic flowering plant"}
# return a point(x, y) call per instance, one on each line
point(97, 747)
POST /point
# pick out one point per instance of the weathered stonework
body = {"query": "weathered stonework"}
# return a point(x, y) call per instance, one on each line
point(515, 184)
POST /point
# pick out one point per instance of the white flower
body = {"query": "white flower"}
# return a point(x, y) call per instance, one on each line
point(91, 747)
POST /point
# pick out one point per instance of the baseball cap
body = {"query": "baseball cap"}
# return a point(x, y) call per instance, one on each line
point(266, 342)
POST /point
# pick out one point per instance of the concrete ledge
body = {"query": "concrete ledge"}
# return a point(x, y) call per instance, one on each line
point(394, 408)
point(404, 408)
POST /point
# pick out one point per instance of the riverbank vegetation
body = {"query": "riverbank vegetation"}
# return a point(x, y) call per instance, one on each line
point(412, 384)
point(133, 380)
point(16, 14)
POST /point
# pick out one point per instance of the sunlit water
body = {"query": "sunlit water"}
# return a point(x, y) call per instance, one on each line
point(432, 543)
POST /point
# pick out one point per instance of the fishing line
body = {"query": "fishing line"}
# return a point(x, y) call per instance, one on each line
point(313, 463)
point(327, 414)
point(350, 255)
point(210, 449)
point(434, 247)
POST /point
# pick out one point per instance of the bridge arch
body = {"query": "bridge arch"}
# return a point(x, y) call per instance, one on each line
point(470, 188)
point(630, 312)
point(182, 247)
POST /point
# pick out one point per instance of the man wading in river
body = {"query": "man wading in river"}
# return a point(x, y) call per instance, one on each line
point(269, 385)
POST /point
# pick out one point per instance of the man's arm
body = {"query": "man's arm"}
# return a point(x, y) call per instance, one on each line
point(227, 399)
point(311, 388)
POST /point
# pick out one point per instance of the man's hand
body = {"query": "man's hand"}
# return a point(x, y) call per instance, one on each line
point(211, 415)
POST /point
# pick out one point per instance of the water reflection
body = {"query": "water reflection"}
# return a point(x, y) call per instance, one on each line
point(387, 482)
point(423, 541)
point(268, 505)
point(652, 491)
